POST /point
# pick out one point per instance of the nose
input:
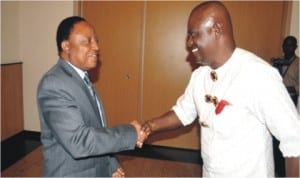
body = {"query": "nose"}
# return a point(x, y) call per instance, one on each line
point(95, 46)
point(189, 41)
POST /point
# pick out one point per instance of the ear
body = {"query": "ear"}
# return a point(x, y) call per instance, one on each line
point(65, 45)
point(218, 29)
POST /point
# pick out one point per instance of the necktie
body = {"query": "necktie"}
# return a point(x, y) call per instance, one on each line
point(93, 93)
point(89, 85)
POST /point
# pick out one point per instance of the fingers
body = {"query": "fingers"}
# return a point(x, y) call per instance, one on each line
point(141, 136)
point(119, 173)
point(147, 127)
point(139, 144)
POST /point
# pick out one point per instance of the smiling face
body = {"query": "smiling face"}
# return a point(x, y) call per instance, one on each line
point(210, 36)
point(200, 39)
point(81, 48)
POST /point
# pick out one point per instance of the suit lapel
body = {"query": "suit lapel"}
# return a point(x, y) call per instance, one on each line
point(75, 76)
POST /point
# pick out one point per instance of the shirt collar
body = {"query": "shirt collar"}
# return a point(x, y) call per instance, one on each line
point(222, 70)
point(80, 72)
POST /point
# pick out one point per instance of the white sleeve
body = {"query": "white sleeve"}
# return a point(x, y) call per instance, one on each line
point(275, 107)
point(185, 107)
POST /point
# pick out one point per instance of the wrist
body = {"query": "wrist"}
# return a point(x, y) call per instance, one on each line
point(152, 125)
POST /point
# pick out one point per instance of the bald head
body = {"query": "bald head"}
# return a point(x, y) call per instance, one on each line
point(214, 13)
point(210, 34)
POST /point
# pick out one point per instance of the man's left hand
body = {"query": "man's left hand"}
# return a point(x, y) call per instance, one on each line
point(119, 173)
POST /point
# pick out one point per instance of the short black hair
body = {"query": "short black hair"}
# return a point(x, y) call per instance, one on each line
point(64, 29)
point(291, 39)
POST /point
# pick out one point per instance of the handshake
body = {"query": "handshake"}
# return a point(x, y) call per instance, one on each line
point(143, 131)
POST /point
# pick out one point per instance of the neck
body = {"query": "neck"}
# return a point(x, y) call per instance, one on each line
point(64, 56)
point(223, 57)
point(288, 57)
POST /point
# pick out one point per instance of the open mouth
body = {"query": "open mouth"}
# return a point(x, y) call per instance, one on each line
point(195, 49)
point(93, 55)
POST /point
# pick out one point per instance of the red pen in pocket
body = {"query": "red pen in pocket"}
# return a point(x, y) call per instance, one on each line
point(221, 105)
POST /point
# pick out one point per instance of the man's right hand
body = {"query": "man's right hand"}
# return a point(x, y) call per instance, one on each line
point(141, 135)
point(148, 127)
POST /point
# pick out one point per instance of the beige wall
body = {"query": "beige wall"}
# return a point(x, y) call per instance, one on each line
point(10, 33)
point(28, 32)
point(294, 29)
point(28, 35)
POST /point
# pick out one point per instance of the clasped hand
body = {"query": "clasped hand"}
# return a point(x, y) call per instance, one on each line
point(142, 133)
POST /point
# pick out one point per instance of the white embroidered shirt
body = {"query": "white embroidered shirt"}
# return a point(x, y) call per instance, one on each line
point(237, 142)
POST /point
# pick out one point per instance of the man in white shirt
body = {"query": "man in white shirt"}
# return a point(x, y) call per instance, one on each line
point(238, 110)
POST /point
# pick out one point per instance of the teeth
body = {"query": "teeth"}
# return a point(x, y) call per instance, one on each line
point(194, 50)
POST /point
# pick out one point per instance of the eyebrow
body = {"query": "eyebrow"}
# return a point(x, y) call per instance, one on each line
point(191, 33)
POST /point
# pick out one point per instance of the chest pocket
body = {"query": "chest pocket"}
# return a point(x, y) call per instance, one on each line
point(231, 121)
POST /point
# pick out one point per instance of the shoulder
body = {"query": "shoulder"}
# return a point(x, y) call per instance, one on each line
point(250, 58)
point(255, 65)
point(54, 78)
point(296, 61)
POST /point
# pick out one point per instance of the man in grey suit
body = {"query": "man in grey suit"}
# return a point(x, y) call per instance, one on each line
point(76, 141)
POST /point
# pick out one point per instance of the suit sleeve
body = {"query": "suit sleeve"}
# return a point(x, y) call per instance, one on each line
point(62, 114)
point(113, 164)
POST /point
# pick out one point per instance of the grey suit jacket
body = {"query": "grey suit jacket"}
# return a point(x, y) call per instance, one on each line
point(75, 144)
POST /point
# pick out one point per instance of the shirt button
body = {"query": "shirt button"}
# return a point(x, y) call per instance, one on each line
point(213, 76)
point(204, 124)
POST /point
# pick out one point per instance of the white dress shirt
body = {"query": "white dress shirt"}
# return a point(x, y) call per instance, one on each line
point(237, 142)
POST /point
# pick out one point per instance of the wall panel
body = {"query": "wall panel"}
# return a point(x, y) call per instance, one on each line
point(119, 29)
point(258, 26)
point(166, 68)
point(11, 100)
